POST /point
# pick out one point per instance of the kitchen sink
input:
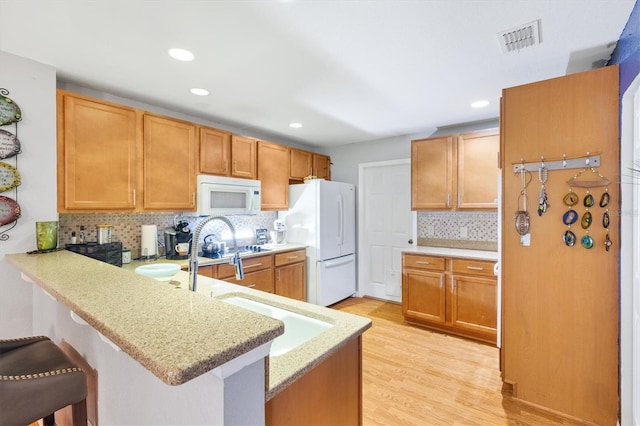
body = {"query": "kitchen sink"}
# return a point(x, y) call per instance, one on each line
point(298, 328)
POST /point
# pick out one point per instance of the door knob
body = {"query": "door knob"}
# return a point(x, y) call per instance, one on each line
point(410, 241)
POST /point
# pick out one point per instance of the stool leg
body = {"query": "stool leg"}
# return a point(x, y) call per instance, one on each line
point(50, 420)
point(79, 413)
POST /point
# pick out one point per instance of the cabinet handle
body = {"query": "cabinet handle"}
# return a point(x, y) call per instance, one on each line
point(252, 266)
point(475, 268)
point(422, 262)
point(278, 275)
point(453, 284)
point(194, 198)
point(134, 198)
point(251, 285)
point(448, 199)
point(292, 257)
point(459, 200)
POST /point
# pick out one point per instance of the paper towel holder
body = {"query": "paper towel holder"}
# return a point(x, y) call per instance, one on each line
point(149, 243)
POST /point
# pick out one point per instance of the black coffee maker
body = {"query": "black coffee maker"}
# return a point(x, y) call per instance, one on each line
point(176, 237)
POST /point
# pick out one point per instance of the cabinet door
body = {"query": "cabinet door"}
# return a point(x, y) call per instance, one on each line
point(322, 166)
point(243, 157)
point(273, 172)
point(432, 173)
point(300, 164)
point(423, 295)
point(215, 151)
point(290, 281)
point(97, 145)
point(473, 304)
point(478, 170)
point(169, 164)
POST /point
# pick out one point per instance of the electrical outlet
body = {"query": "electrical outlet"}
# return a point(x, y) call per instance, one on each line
point(464, 232)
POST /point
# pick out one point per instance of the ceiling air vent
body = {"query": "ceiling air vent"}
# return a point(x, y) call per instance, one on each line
point(521, 37)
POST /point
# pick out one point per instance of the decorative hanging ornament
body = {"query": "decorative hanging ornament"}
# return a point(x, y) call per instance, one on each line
point(543, 176)
point(9, 110)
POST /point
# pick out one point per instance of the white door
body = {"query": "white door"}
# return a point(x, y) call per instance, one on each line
point(386, 227)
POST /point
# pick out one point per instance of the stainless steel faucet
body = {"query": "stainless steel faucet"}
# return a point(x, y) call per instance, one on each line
point(193, 261)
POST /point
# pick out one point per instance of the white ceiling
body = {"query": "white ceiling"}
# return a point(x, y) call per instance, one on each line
point(349, 71)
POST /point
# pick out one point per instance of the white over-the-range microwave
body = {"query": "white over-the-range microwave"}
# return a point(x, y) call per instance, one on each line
point(219, 195)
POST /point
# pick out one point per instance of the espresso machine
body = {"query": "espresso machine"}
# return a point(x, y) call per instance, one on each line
point(177, 240)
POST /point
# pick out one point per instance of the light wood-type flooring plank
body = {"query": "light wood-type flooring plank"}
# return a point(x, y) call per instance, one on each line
point(414, 376)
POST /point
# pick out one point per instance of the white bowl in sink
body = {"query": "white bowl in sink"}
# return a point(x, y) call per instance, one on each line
point(159, 271)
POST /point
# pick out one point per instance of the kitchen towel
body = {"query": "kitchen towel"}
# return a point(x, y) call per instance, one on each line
point(149, 244)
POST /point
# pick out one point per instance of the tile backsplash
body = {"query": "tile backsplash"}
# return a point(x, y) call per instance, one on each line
point(458, 229)
point(126, 227)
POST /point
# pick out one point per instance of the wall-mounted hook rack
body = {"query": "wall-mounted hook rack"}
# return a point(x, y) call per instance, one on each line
point(564, 164)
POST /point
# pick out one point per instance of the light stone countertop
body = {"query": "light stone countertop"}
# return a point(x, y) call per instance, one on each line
point(153, 321)
point(454, 252)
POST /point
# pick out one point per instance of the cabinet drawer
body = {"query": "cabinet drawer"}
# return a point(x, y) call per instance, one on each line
point(423, 262)
point(226, 270)
point(290, 257)
point(259, 280)
point(473, 267)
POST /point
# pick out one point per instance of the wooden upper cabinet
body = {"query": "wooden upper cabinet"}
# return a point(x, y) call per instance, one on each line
point(304, 163)
point(300, 164)
point(432, 173)
point(215, 151)
point(169, 169)
point(322, 166)
point(96, 154)
point(243, 157)
point(455, 172)
point(273, 173)
point(478, 169)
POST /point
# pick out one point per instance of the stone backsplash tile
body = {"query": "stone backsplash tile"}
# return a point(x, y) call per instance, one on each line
point(479, 226)
point(126, 227)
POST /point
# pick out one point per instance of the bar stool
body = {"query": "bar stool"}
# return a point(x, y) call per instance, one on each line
point(37, 379)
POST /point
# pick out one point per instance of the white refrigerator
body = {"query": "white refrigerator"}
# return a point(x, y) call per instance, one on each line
point(321, 216)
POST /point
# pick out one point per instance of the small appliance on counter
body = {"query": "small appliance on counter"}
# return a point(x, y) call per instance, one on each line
point(279, 234)
point(177, 240)
point(213, 248)
point(109, 252)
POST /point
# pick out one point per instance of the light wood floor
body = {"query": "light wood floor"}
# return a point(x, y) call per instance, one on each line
point(413, 376)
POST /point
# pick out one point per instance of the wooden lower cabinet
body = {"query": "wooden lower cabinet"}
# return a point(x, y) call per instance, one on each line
point(282, 273)
point(291, 274)
point(258, 273)
point(450, 294)
point(330, 394)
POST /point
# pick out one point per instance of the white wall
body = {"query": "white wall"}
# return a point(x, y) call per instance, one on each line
point(31, 86)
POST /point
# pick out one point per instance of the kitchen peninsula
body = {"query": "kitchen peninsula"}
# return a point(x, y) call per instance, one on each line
point(207, 358)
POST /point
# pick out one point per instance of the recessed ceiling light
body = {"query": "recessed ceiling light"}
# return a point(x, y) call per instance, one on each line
point(479, 104)
point(181, 54)
point(295, 125)
point(199, 92)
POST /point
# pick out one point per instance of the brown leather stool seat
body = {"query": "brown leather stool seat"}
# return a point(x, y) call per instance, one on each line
point(37, 379)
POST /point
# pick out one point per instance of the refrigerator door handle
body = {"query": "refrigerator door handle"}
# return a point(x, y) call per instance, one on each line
point(340, 220)
point(334, 263)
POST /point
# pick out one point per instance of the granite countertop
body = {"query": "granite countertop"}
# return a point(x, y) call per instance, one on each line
point(454, 252)
point(147, 318)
